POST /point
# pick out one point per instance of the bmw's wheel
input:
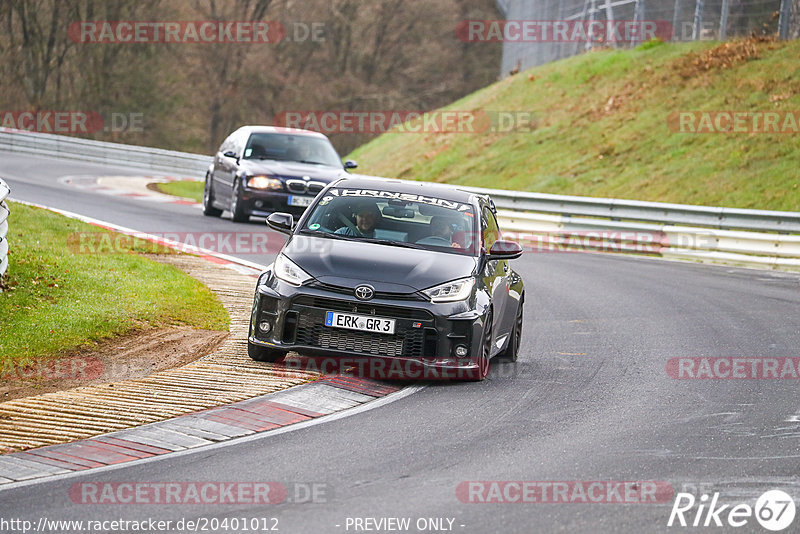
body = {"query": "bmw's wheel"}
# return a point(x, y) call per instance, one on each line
point(237, 206)
point(511, 352)
point(208, 200)
point(263, 354)
point(485, 352)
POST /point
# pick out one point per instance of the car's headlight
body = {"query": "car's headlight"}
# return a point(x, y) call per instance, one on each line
point(264, 182)
point(451, 291)
point(289, 272)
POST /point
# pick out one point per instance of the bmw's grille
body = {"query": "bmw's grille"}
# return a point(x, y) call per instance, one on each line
point(301, 187)
point(414, 335)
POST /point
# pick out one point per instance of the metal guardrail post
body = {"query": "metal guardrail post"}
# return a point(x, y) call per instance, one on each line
point(783, 22)
point(4, 192)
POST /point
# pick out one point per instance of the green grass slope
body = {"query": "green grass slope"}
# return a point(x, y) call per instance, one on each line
point(602, 129)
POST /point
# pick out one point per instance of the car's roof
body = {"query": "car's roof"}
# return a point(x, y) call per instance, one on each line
point(445, 192)
point(281, 130)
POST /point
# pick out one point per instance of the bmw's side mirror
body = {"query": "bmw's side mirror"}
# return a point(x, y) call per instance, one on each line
point(282, 222)
point(229, 154)
point(505, 250)
point(350, 164)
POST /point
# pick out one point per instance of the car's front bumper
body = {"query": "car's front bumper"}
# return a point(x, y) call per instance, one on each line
point(261, 203)
point(422, 347)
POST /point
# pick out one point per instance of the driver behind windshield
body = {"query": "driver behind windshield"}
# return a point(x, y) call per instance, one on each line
point(441, 233)
point(366, 218)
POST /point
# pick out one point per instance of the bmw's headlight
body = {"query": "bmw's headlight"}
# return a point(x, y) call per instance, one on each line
point(264, 182)
point(289, 272)
point(451, 291)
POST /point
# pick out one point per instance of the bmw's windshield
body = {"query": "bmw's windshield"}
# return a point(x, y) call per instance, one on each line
point(396, 219)
point(289, 147)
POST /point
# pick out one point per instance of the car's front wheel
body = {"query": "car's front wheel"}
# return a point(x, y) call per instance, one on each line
point(263, 354)
point(208, 199)
point(511, 352)
point(237, 206)
point(485, 351)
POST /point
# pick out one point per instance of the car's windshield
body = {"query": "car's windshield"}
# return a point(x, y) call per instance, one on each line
point(289, 147)
point(396, 219)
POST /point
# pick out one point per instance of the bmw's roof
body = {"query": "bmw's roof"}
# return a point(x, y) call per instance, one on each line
point(376, 183)
point(281, 130)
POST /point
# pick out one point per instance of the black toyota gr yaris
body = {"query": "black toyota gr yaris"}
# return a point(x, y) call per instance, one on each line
point(400, 279)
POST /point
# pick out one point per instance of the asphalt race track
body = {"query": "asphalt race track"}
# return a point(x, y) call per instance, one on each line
point(589, 400)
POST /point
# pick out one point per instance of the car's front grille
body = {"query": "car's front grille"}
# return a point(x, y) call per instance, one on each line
point(301, 187)
point(313, 334)
point(364, 308)
point(414, 337)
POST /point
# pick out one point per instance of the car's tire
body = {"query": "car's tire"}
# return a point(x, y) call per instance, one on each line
point(486, 350)
point(208, 199)
point(511, 352)
point(263, 354)
point(237, 206)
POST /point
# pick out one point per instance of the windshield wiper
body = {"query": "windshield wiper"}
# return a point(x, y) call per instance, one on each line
point(392, 243)
point(310, 162)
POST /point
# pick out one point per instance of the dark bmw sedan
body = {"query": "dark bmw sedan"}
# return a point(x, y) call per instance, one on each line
point(397, 279)
point(260, 170)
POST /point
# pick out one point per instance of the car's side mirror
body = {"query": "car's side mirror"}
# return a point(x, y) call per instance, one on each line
point(505, 250)
point(350, 164)
point(230, 154)
point(282, 222)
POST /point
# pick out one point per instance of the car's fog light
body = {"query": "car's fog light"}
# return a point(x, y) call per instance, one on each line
point(265, 327)
point(461, 350)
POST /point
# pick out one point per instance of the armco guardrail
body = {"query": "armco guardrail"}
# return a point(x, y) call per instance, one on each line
point(541, 221)
point(4, 192)
point(149, 159)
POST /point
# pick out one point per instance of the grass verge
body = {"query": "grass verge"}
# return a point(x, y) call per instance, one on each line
point(59, 299)
point(183, 188)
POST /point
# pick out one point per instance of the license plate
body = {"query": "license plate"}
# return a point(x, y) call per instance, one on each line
point(363, 323)
point(300, 201)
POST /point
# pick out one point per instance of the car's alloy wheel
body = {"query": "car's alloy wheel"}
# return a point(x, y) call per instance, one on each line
point(208, 200)
point(237, 209)
point(263, 354)
point(511, 352)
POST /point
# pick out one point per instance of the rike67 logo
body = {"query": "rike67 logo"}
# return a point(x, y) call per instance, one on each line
point(774, 510)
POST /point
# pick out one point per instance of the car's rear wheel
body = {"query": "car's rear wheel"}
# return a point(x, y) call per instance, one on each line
point(511, 352)
point(237, 206)
point(485, 352)
point(208, 199)
point(263, 354)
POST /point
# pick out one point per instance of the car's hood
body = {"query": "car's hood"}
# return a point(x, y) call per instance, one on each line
point(387, 268)
point(291, 169)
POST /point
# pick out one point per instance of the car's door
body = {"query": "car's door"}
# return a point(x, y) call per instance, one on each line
point(225, 168)
point(495, 274)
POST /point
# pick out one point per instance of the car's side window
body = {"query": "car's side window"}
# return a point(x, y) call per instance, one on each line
point(228, 143)
point(491, 232)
